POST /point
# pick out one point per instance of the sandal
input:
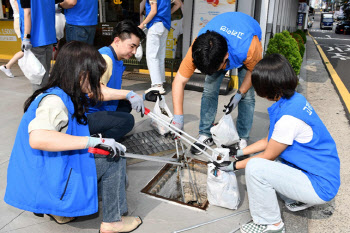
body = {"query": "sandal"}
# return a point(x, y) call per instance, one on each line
point(57, 219)
point(130, 224)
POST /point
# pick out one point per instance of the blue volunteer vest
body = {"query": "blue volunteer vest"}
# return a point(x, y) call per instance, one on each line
point(114, 82)
point(43, 30)
point(318, 159)
point(84, 13)
point(60, 183)
point(238, 29)
point(163, 13)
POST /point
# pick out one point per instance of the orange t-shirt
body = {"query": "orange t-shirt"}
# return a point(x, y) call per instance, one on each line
point(254, 55)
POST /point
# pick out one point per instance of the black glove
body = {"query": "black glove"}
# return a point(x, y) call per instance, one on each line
point(225, 166)
point(152, 96)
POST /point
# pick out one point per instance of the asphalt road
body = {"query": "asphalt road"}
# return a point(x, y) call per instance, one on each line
point(336, 48)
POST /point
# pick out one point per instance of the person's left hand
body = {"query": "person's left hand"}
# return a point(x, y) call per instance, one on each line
point(58, 9)
point(233, 103)
point(26, 45)
point(136, 102)
point(225, 165)
point(152, 96)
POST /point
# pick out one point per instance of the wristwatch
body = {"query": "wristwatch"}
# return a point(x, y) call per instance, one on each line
point(242, 94)
point(26, 36)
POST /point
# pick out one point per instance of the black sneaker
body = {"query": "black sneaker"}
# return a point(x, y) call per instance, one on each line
point(204, 140)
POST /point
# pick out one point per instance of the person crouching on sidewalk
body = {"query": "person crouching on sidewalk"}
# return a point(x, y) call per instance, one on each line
point(50, 170)
point(298, 158)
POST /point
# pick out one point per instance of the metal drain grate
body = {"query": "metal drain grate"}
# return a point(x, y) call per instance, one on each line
point(148, 143)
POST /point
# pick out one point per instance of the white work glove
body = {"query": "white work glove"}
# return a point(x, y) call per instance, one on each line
point(136, 102)
point(114, 148)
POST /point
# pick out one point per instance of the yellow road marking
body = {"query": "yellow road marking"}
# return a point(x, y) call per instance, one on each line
point(343, 91)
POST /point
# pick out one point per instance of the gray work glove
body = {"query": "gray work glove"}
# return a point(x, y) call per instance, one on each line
point(136, 102)
point(235, 152)
point(226, 166)
point(178, 122)
point(26, 45)
point(114, 148)
point(58, 9)
point(233, 103)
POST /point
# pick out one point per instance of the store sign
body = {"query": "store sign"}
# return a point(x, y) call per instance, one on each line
point(7, 34)
point(117, 2)
point(300, 19)
point(204, 11)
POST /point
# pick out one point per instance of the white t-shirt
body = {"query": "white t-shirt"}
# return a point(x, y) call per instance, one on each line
point(289, 128)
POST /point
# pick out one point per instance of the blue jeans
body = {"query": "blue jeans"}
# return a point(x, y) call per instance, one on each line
point(209, 104)
point(112, 124)
point(80, 33)
point(111, 177)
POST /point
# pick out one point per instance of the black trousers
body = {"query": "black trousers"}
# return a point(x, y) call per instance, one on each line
point(112, 124)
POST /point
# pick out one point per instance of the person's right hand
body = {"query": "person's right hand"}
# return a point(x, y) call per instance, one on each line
point(226, 166)
point(114, 148)
point(26, 45)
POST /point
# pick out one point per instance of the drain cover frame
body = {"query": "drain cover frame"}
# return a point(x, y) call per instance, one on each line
point(166, 168)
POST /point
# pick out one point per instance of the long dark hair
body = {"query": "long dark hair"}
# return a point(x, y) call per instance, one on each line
point(76, 63)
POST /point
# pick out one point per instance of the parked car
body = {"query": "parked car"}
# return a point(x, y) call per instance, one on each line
point(341, 17)
point(343, 27)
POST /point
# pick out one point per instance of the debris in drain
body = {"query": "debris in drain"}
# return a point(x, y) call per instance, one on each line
point(166, 184)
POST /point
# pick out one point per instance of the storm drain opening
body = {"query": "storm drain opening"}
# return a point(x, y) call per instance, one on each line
point(182, 185)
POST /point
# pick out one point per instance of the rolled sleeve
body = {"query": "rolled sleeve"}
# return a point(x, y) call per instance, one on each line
point(108, 73)
point(254, 54)
point(51, 114)
point(187, 67)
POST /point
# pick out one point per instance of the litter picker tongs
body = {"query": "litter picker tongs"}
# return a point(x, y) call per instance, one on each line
point(180, 135)
point(179, 161)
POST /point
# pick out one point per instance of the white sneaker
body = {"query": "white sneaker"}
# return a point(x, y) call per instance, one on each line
point(156, 87)
point(257, 228)
point(297, 206)
point(7, 71)
point(242, 143)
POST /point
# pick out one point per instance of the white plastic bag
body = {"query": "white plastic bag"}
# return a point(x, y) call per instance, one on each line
point(59, 25)
point(225, 133)
point(222, 189)
point(221, 154)
point(31, 67)
point(161, 109)
point(139, 53)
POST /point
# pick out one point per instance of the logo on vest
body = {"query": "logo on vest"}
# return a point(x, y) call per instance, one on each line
point(308, 108)
point(232, 32)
